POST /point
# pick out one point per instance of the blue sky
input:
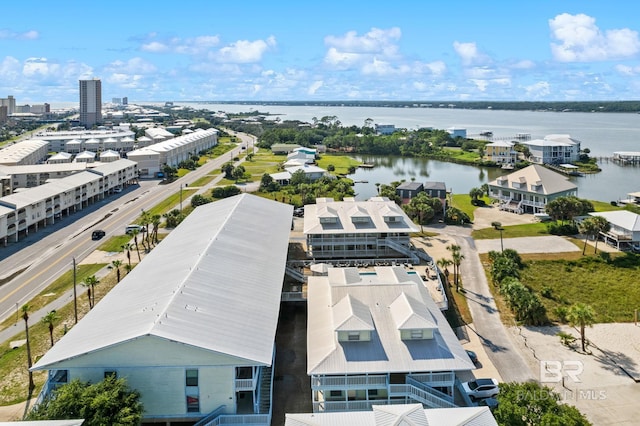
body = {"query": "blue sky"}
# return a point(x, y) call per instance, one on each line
point(544, 50)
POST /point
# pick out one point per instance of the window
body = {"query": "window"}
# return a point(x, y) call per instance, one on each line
point(193, 404)
point(354, 336)
point(335, 393)
point(191, 378)
point(110, 373)
point(60, 376)
point(372, 393)
point(416, 334)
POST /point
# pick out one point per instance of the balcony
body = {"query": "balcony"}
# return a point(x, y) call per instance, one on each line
point(348, 382)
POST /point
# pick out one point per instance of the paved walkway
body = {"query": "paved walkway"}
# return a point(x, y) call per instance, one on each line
point(543, 244)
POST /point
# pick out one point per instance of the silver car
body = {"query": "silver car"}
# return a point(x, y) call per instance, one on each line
point(481, 388)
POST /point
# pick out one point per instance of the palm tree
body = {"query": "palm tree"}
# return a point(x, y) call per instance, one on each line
point(456, 258)
point(92, 282)
point(128, 267)
point(116, 264)
point(581, 315)
point(587, 227)
point(156, 219)
point(127, 247)
point(135, 233)
point(145, 221)
point(49, 320)
point(88, 287)
point(25, 317)
point(444, 264)
point(601, 225)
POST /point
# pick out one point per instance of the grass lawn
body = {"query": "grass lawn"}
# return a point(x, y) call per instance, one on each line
point(463, 202)
point(340, 162)
point(114, 244)
point(457, 153)
point(13, 362)
point(535, 229)
point(204, 180)
point(171, 202)
point(458, 313)
point(601, 206)
point(568, 278)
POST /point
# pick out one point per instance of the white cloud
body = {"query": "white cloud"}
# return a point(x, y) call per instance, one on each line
point(539, 90)
point(38, 66)
point(353, 50)
point(132, 66)
point(189, 46)
point(626, 70)
point(314, 87)
point(6, 34)
point(580, 40)
point(155, 47)
point(469, 54)
point(244, 51)
point(524, 64)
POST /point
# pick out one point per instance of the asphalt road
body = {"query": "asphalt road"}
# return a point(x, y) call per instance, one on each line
point(43, 256)
point(487, 324)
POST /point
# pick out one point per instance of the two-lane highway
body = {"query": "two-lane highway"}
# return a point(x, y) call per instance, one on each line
point(45, 255)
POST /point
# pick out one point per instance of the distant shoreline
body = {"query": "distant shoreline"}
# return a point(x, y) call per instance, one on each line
point(560, 106)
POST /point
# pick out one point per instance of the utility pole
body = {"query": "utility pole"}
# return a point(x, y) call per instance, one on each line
point(181, 197)
point(75, 298)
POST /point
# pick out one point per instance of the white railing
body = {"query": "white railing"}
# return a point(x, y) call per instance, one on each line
point(420, 395)
point(246, 384)
point(434, 379)
point(245, 419)
point(343, 382)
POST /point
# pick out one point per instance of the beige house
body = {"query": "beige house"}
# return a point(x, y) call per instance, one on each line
point(530, 189)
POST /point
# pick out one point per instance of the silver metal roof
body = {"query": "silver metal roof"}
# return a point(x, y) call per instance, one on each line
point(386, 352)
point(377, 209)
point(214, 283)
point(386, 415)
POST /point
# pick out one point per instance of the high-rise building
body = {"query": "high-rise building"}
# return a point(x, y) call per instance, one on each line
point(10, 103)
point(90, 102)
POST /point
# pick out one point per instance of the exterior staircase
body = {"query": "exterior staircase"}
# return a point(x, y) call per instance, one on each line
point(264, 402)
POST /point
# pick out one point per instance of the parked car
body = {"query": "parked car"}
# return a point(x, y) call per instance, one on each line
point(472, 356)
point(97, 234)
point(299, 212)
point(117, 189)
point(635, 248)
point(488, 402)
point(131, 228)
point(481, 388)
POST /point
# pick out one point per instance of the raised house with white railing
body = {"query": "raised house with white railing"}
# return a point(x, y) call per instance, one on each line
point(530, 189)
point(378, 338)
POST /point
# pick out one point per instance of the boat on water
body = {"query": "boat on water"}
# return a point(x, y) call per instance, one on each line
point(367, 165)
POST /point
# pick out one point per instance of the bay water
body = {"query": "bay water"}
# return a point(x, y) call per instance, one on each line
point(602, 133)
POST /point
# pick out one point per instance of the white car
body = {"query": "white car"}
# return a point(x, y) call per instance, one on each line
point(481, 388)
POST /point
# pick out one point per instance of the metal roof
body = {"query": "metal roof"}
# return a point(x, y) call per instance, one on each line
point(552, 182)
point(376, 208)
point(386, 352)
point(386, 415)
point(213, 283)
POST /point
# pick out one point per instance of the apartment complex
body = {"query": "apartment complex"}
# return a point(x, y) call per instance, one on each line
point(193, 326)
point(351, 230)
point(90, 102)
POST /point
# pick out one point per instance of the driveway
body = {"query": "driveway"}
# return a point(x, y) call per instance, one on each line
point(545, 244)
point(487, 325)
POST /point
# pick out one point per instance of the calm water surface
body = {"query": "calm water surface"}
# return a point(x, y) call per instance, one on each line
point(601, 133)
